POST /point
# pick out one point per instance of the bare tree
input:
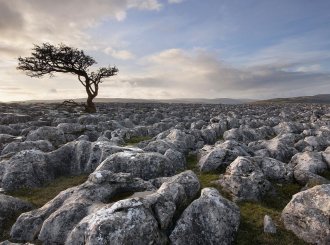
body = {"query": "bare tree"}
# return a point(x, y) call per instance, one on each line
point(49, 59)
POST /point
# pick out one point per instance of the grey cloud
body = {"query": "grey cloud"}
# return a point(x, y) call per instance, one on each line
point(198, 73)
point(9, 18)
point(53, 90)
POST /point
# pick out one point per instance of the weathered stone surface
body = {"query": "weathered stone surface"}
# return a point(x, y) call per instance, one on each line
point(52, 134)
point(326, 156)
point(307, 166)
point(26, 169)
point(42, 145)
point(245, 180)
point(177, 158)
point(52, 222)
point(275, 170)
point(212, 160)
point(6, 138)
point(11, 118)
point(316, 143)
point(211, 219)
point(10, 207)
point(4, 129)
point(221, 155)
point(280, 147)
point(33, 168)
point(269, 226)
point(143, 220)
point(145, 165)
point(307, 215)
point(288, 127)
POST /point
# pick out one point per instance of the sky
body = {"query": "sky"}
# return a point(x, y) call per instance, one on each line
point(166, 49)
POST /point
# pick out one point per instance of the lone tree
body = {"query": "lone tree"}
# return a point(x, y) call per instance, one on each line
point(49, 59)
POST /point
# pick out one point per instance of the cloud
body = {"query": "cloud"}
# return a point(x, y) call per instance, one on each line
point(175, 1)
point(119, 54)
point(53, 91)
point(23, 23)
point(9, 18)
point(198, 73)
point(309, 68)
point(145, 4)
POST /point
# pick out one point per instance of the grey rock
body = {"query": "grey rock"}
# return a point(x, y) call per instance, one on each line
point(10, 207)
point(245, 135)
point(176, 158)
point(209, 136)
point(288, 127)
point(212, 160)
point(182, 141)
point(33, 168)
point(53, 222)
point(90, 119)
point(52, 134)
point(4, 129)
point(269, 226)
point(245, 180)
point(317, 143)
point(145, 165)
point(326, 156)
point(198, 124)
point(307, 215)
point(71, 128)
point(42, 145)
point(26, 169)
point(280, 147)
point(221, 155)
point(275, 170)
point(141, 220)
point(211, 219)
point(6, 138)
point(307, 166)
point(11, 118)
point(160, 146)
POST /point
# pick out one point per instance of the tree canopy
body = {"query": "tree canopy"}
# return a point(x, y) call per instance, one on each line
point(48, 59)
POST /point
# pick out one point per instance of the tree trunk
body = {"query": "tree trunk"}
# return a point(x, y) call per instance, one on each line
point(90, 106)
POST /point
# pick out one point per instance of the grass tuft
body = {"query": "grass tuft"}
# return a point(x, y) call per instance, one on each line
point(137, 139)
point(252, 215)
point(251, 227)
point(326, 174)
point(206, 179)
point(40, 196)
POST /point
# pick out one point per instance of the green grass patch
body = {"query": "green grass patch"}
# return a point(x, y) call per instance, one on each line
point(252, 215)
point(205, 178)
point(326, 174)
point(135, 140)
point(220, 138)
point(40, 196)
point(251, 227)
point(282, 196)
point(5, 231)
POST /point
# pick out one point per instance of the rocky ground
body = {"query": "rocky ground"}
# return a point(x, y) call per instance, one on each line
point(165, 174)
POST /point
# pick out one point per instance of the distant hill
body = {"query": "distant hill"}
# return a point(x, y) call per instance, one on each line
point(320, 99)
point(127, 100)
